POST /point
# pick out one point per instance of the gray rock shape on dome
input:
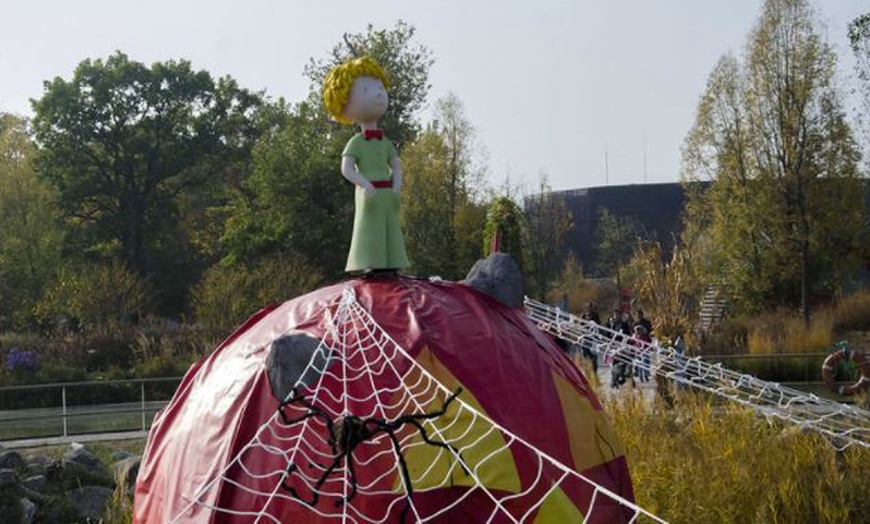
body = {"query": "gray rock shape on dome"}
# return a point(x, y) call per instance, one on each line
point(288, 363)
point(499, 276)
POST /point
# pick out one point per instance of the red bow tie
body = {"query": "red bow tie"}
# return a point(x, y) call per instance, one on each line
point(368, 134)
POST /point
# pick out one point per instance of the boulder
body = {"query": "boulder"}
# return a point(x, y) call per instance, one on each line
point(288, 360)
point(84, 457)
point(126, 470)
point(10, 511)
point(36, 465)
point(7, 478)
point(74, 474)
point(28, 510)
point(499, 276)
point(35, 483)
point(10, 497)
point(11, 460)
point(90, 501)
point(119, 455)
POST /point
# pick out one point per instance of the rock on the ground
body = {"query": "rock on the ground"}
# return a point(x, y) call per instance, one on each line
point(10, 497)
point(288, 361)
point(36, 465)
point(74, 474)
point(120, 455)
point(84, 457)
point(499, 276)
point(28, 509)
point(126, 470)
point(11, 460)
point(7, 478)
point(90, 501)
point(35, 483)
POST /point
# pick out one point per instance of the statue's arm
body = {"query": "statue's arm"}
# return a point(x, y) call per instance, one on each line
point(348, 171)
point(396, 167)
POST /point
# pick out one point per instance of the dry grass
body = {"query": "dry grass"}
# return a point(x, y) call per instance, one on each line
point(853, 313)
point(781, 332)
point(707, 463)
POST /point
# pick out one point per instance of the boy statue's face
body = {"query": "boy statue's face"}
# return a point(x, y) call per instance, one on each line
point(368, 100)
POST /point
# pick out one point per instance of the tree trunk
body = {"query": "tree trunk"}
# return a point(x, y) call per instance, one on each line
point(805, 281)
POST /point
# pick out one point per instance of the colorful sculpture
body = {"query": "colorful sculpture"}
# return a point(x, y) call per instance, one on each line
point(356, 92)
point(222, 452)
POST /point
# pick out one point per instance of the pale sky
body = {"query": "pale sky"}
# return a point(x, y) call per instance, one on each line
point(547, 84)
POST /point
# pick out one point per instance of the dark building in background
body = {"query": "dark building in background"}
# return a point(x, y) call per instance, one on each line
point(657, 207)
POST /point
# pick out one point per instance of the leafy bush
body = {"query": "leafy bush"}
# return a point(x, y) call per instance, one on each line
point(505, 218)
point(578, 291)
point(101, 297)
point(26, 341)
point(228, 294)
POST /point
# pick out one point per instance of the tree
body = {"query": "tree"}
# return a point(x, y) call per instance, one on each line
point(30, 230)
point(666, 289)
point(784, 209)
point(547, 223)
point(615, 239)
point(125, 144)
point(426, 212)
point(295, 201)
point(505, 220)
point(406, 64)
point(859, 40)
point(443, 221)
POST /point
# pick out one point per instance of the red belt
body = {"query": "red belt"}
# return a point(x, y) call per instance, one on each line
point(383, 184)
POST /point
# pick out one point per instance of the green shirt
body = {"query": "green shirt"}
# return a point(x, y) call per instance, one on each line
point(377, 241)
point(373, 157)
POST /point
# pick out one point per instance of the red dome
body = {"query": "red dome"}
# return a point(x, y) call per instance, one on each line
point(219, 453)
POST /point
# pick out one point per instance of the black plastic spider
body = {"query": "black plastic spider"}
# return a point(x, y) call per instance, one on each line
point(351, 431)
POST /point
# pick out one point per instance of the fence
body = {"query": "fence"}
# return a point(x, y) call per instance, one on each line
point(81, 408)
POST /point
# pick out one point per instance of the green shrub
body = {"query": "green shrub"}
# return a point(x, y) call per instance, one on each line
point(161, 366)
point(96, 297)
point(228, 294)
point(23, 341)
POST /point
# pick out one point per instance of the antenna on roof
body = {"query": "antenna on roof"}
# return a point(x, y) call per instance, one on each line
point(645, 179)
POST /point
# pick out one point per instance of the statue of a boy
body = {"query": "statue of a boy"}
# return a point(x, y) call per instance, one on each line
point(356, 92)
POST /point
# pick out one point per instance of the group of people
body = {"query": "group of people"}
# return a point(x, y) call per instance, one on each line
point(637, 330)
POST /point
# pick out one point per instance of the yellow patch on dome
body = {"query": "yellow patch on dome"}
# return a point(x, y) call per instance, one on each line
point(483, 447)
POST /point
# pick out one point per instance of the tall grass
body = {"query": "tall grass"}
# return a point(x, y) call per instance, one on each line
point(780, 332)
point(853, 313)
point(119, 508)
point(707, 463)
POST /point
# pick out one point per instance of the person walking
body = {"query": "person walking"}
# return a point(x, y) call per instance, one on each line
point(589, 345)
point(642, 341)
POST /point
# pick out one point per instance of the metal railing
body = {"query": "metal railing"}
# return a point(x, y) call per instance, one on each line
point(79, 408)
point(842, 424)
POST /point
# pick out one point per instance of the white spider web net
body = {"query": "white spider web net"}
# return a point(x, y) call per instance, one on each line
point(843, 425)
point(359, 369)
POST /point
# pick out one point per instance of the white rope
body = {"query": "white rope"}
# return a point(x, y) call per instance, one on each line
point(841, 424)
point(375, 371)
